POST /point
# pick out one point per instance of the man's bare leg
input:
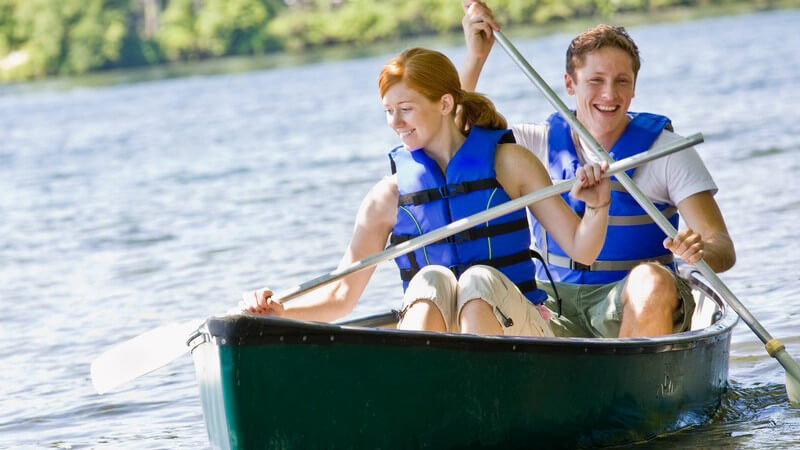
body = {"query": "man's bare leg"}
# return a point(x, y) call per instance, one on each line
point(649, 299)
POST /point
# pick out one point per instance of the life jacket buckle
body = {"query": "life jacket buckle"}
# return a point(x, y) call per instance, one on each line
point(443, 191)
point(575, 265)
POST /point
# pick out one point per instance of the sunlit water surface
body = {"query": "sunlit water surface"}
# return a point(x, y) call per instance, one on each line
point(128, 206)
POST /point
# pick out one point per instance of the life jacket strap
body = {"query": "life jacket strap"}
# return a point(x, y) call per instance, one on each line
point(537, 255)
point(497, 263)
point(643, 219)
point(450, 190)
point(569, 263)
point(478, 232)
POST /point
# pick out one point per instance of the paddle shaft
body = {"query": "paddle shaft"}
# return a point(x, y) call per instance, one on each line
point(614, 168)
point(775, 348)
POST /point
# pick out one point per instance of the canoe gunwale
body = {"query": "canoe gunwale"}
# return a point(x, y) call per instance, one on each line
point(247, 329)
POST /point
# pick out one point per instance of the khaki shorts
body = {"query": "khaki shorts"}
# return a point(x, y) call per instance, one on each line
point(596, 310)
point(439, 284)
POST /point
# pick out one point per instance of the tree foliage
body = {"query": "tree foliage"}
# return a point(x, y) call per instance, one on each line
point(50, 37)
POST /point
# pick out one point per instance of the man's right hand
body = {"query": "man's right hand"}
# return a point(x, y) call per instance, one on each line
point(479, 27)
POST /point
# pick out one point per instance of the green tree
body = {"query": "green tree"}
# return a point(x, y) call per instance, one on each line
point(177, 34)
point(234, 27)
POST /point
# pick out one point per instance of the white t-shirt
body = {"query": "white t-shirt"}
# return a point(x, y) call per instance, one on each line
point(669, 179)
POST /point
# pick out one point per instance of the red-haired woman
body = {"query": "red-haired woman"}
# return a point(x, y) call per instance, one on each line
point(454, 162)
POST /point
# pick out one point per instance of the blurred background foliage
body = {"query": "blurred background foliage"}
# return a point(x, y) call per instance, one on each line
point(39, 38)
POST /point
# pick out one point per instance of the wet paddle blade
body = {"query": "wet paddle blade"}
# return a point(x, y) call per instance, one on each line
point(793, 389)
point(792, 376)
point(141, 355)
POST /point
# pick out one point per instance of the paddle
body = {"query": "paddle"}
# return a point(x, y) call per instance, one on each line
point(156, 348)
point(774, 347)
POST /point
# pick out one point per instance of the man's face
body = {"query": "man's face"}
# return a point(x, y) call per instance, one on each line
point(603, 87)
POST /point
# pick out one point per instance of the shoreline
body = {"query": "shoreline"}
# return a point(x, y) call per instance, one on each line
point(250, 63)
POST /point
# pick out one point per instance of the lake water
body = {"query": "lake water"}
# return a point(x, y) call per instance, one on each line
point(128, 206)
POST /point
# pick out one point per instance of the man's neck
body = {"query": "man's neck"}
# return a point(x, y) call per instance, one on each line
point(606, 140)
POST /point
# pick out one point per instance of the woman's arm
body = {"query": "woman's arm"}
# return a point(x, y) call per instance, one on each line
point(374, 222)
point(519, 172)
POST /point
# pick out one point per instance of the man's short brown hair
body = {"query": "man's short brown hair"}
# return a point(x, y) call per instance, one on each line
point(596, 38)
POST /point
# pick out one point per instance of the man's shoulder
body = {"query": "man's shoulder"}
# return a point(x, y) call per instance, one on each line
point(667, 136)
point(532, 136)
point(530, 128)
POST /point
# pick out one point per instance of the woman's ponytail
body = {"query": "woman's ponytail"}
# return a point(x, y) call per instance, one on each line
point(477, 110)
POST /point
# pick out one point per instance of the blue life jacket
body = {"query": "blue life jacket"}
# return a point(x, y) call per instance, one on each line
point(632, 237)
point(430, 199)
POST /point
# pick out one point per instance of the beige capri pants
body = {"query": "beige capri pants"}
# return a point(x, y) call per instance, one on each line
point(439, 285)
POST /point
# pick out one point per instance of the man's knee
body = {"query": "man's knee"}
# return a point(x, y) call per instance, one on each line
point(651, 285)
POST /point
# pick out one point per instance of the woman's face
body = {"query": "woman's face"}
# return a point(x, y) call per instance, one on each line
point(412, 116)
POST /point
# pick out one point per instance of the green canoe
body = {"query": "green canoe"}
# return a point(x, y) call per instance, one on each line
point(275, 383)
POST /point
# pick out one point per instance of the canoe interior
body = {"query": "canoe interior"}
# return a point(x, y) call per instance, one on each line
point(275, 383)
point(707, 311)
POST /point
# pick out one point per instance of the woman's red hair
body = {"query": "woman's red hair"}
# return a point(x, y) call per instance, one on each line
point(433, 75)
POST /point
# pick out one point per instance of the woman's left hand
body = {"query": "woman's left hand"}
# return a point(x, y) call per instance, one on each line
point(591, 187)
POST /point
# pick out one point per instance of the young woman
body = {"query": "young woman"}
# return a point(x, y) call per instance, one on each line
point(453, 163)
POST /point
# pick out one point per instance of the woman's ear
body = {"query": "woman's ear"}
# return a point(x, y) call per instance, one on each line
point(447, 104)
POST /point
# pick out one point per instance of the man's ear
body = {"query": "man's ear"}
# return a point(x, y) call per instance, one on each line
point(447, 104)
point(569, 84)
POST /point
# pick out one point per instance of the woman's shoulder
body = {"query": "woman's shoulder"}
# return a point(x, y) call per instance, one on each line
point(379, 206)
point(384, 193)
point(513, 154)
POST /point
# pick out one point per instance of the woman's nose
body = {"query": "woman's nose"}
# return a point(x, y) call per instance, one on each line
point(394, 119)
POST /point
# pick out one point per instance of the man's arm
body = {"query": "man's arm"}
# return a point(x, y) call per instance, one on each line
point(479, 26)
point(707, 235)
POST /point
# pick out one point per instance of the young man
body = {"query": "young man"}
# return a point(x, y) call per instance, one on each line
point(631, 290)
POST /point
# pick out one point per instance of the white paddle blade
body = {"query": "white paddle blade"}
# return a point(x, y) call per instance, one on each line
point(141, 355)
point(793, 389)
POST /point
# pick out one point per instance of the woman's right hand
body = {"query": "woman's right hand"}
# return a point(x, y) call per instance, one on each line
point(592, 187)
point(261, 302)
point(479, 26)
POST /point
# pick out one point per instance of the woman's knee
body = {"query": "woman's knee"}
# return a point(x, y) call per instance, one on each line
point(434, 275)
point(479, 279)
point(429, 301)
